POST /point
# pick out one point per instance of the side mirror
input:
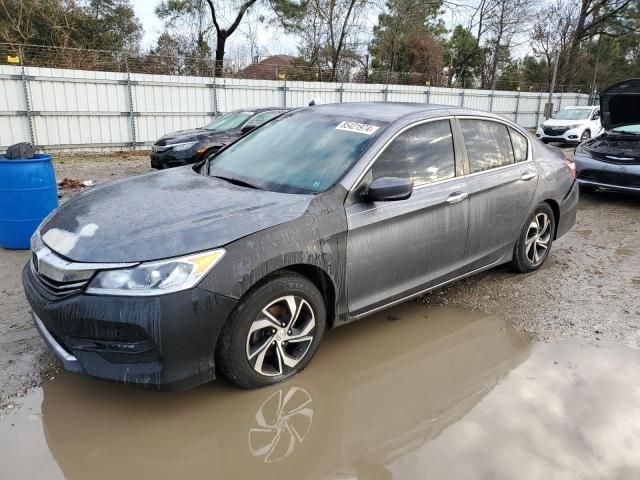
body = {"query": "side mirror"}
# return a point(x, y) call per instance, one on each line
point(389, 188)
point(247, 128)
point(596, 117)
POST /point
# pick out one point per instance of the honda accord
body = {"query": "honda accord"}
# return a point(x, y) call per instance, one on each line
point(320, 217)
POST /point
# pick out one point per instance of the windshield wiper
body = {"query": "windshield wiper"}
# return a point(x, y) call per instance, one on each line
point(237, 181)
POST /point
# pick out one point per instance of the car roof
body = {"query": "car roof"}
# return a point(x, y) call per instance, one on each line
point(390, 112)
point(381, 111)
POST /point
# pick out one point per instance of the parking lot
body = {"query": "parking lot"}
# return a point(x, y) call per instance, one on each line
point(568, 333)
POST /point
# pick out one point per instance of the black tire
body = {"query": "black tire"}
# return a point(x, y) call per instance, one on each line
point(586, 135)
point(528, 254)
point(233, 348)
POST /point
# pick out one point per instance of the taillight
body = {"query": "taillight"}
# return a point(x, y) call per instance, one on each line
point(571, 163)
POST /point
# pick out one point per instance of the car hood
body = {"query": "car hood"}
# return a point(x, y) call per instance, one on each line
point(554, 122)
point(163, 214)
point(620, 104)
point(182, 136)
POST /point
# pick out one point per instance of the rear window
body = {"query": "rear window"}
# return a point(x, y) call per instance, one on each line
point(488, 144)
point(520, 145)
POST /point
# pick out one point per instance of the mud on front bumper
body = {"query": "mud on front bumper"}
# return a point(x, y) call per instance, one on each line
point(165, 342)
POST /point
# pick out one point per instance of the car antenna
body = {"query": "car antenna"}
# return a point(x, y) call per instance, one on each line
point(312, 103)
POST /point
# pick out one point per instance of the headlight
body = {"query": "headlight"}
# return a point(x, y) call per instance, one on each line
point(179, 147)
point(156, 278)
point(571, 127)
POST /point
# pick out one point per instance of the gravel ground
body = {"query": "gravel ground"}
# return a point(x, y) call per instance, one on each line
point(587, 288)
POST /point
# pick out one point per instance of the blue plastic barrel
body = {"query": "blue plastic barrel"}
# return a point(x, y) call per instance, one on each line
point(28, 192)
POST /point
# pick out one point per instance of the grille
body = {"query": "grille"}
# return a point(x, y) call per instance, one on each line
point(554, 131)
point(611, 178)
point(618, 159)
point(55, 288)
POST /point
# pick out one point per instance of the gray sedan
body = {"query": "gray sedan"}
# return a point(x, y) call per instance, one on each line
point(321, 217)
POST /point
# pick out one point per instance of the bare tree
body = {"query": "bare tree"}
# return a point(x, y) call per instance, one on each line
point(553, 32)
point(192, 10)
point(328, 29)
point(479, 12)
point(506, 20)
point(222, 34)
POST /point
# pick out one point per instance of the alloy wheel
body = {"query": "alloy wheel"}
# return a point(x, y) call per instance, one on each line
point(280, 336)
point(538, 238)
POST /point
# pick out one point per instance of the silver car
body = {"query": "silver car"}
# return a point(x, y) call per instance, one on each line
point(318, 218)
point(612, 161)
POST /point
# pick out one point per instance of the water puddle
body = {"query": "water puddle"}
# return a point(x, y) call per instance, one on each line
point(435, 393)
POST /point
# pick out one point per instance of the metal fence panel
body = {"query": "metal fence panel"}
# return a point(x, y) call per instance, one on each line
point(77, 109)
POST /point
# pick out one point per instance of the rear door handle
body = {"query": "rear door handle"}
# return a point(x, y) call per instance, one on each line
point(457, 197)
point(528, 176)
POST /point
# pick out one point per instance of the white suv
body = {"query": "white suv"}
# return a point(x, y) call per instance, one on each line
point(571, 125)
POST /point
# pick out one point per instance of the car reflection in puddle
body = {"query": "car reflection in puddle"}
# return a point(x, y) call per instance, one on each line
point(282, 422)
point(439, 393)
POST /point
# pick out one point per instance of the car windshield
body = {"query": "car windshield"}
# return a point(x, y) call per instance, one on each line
point(228, 121)
point(305, 152)
point(635, 129)
point(573, 114)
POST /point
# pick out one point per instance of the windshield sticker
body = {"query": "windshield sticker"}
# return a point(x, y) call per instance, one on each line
point(357, 127)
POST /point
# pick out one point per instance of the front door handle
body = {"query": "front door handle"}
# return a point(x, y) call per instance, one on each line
point(457, 197)
point(528, 176)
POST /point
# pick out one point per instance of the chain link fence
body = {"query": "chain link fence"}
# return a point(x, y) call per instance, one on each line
point(62, 98)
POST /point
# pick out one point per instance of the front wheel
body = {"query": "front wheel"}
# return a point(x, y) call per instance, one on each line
point(534, 242)
point(586, 135)
point(273, 332)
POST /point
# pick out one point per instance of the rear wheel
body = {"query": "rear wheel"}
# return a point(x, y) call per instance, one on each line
point(534, 242)
point(273, 332)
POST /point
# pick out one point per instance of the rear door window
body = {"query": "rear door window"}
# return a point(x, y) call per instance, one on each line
point(520, 145)
point(423, 153)
point(488, 144)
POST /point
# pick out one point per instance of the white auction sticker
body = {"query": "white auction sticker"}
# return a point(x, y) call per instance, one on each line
point(357, 127)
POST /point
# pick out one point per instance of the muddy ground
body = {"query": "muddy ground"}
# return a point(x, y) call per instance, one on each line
point(24, 361)
point(587, 289)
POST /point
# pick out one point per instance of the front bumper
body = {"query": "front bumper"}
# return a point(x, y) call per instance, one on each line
point(166, 342)
point(570, 136)
point(612, 176)
point(168, 159)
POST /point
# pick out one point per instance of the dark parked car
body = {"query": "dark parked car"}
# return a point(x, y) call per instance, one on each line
point(323, 216)
point(612, 161)
point(191, 146)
